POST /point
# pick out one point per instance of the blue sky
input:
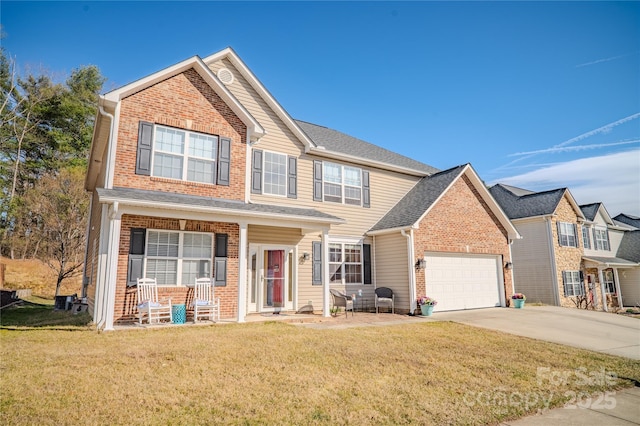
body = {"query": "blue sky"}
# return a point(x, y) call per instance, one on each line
point(539, 95)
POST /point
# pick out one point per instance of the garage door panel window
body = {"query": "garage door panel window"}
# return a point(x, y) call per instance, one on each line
point(572, 282)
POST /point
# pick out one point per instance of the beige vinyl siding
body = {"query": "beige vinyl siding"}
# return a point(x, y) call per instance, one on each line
point(93, 249)
point(391, 267)
point(615, 238)
point(532, 269)
point(387, 187)
point(630, 286)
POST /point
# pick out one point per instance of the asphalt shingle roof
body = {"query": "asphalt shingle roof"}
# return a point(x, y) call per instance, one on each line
point(590, 210)
point(628, 219)
point(335, 141)
point(528, 205)
point(630, 246)
point(214, 203)
point(413, 205)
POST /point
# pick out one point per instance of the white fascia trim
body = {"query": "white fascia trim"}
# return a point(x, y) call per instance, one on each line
point(600, 262)
point(603, 211)
point(205, 213)
point(233, 57)
point(542, 217)
point(112, 149)
point(390, 230)
point(205, 72)
point(322, 152)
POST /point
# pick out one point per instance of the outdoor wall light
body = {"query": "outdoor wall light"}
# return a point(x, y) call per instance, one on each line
point(421, 264)
point(508, 266)
point(306, 256)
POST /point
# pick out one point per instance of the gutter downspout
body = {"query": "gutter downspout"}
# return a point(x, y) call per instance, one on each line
point(412, 272)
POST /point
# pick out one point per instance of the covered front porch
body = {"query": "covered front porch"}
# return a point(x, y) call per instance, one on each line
point(604, 276)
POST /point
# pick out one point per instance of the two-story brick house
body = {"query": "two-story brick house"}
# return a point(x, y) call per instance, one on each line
point(196, 170)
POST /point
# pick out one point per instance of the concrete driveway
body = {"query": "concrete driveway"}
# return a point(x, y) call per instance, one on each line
point(597, 331)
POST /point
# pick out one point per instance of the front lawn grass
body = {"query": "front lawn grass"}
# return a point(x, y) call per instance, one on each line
point(37, 312)
point(275, 373)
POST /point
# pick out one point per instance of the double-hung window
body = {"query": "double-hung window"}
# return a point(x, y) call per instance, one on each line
point(275, 174)
point(184, 155)
point(572, 283)
point(342, 184)
point(586, 240)
point(567, 234)
point(178, 258)
point(345, 263)
point(600, 239)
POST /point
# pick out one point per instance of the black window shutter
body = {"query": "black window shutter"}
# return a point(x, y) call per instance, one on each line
point(559, 233)
point(145, 148)
point(595, 240)
point(366, 257)
point(256, 172)
point(608, 241)
point(366, 191)
point(564, 283)
point(317, 180)
point(220, 268)
point(317, 263)
point(575, 234)
point(136, 256)
point(292, 177)
point(224, 161)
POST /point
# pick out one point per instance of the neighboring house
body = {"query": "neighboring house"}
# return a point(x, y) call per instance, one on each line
point(196, 170)
point(569, 253)
point(610, 272)
point(547, 260)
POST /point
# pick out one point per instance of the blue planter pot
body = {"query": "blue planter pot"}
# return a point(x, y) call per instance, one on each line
point(518, 303)
point(426, 310)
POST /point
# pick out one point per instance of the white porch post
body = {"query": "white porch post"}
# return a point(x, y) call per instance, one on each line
point(112, 266)
point(603, 294)
point(325, 274)
point(242, 273)
point(618, 292)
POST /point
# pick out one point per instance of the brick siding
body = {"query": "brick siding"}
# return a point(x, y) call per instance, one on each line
point(126, 297)
point(187, 102)
point(461, 222)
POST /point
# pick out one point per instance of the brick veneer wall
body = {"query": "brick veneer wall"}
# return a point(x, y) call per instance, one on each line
point(567, 258)
point(126, 297)
point(187, 102)
point(461, 222)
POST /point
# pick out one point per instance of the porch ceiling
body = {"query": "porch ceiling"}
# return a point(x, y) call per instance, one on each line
point(610, 261)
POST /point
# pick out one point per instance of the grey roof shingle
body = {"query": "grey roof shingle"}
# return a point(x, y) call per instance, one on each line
point(213, 203)
point(630, 246)
point(335, 141)
point(413, 205)
point(628, 219)
point(528, 205)
point(590, 210)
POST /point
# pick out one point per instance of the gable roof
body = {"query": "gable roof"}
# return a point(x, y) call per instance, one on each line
point(628, 219)
point(591, 210)
point(531, 204)
point(630, 246)
point(357, 149)
point(412, 208)
point(323, 141)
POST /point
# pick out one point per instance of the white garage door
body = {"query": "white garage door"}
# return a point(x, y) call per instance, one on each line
point(463, 282)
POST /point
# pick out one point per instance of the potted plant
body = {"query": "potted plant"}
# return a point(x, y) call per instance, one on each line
point(518, 300)
point(426, 305)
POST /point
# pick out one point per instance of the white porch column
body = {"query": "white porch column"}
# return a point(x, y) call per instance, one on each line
point(602, 293)
point(325, 274)
point(112, 266)
point(242, 273)
point(618, 292)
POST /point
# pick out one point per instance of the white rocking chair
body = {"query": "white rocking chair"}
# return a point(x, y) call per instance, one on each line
point(149, 306)
point(204, 303)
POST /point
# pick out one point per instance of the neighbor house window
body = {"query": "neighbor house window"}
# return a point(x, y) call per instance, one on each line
point(572, 283)
point(567, 234)
point(342, 184)
point(184, 155)
point(586, 239)
point(601, 239)
point(178, 258)
point(345, 263)
point(609, 283)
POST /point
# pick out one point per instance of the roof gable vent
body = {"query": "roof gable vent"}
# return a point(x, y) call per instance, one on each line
point(225, 76)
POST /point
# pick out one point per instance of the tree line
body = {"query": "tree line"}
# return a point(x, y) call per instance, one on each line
point(45, 136)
